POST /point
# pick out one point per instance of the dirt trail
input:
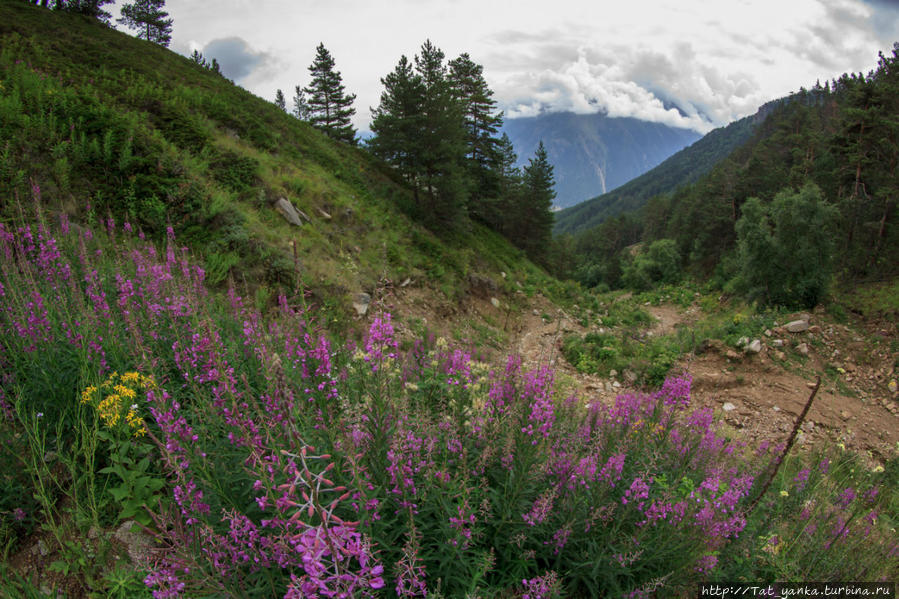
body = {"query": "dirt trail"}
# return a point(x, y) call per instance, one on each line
point(759, 394)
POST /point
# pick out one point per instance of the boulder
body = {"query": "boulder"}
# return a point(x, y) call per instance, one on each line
point(361, 302)
point(287, 210)
point(797, 326)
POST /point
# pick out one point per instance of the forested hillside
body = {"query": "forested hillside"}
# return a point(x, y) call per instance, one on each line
point(841, 138)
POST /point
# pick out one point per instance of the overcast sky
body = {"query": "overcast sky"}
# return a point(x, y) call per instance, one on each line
point(715, 60)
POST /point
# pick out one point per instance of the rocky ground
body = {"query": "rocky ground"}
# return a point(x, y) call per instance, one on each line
point(758, 390)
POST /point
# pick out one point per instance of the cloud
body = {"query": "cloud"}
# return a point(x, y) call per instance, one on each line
point(674, 88)
point(237, 58)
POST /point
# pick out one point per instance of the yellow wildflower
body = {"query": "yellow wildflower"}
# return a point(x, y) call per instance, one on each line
point(784, 494)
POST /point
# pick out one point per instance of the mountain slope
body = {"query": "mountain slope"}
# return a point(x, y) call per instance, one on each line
point(686, 166)
point(98, 124)
point(593, 153)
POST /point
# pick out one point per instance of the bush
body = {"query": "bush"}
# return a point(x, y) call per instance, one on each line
point(785, 250)
point(661, 263)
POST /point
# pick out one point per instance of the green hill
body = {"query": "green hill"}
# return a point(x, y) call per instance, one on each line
point(105, 125)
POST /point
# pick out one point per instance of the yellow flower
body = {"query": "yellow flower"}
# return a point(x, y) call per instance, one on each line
point(126, 392)
point(131, 378)
point(842, 446)
point(877, 469)
point(88, 394)
point(784, 494)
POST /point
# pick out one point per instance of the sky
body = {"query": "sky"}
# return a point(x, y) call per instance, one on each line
point(696, 64)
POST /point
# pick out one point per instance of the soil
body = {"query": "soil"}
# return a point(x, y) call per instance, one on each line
point(759, 396)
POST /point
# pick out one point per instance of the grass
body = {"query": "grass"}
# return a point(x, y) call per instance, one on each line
point(145, 136)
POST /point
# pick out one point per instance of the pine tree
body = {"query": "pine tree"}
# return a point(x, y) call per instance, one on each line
point(482, 122)
point(441, 141)
point(279, 100)
point(197, 57)
point(300, 107)
point(330, 109)
point(214, 67)
point(397, 121)
point(150, 21)
point(534, 214)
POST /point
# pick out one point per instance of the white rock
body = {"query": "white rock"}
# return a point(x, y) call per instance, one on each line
point(754, 347)
point(287, 210)
point(495, 302)
point(361, 302)
point(728, 407)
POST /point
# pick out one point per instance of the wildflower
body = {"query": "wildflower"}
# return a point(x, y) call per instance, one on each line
point(842, 446)
point(784, 494)
point(877, 469)
point(18, 514)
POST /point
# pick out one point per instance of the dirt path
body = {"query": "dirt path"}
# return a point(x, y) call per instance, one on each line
point(760, 394)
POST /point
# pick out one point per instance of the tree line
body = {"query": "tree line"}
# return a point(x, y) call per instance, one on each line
point(437, 125)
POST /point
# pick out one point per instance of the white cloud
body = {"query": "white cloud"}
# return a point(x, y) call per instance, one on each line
point(689, 63)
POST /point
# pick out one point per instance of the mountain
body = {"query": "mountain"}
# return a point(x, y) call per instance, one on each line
point(594, 153)
point(686, 166)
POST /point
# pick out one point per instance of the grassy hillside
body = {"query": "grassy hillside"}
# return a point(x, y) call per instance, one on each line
point(98, 124)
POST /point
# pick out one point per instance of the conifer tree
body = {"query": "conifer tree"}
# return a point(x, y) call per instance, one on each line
point(279, 100)
point(397, 121)
point(197, 57)
point(214, 67)
point(482, 122)
point(440, 144)
point(534, 215)
point(330, 109)
point(150, 21)
point(300, 107)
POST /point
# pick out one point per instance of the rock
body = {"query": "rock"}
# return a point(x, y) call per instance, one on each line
point(608, 386)
point(613, 373)
point(406, 282)
point(502, 274)
point(776, 408)
point(777, 343)
point(768, 333)
point(797, 326)
point(780, 355)
point(287, 210)
point(616, 385)
point(754, 347)
point(361, 302)
point(536, 312)
point(809, 425)
point(805, 316)
point(814, 329)
point(495, 302)
point(630, 376)
point(732, 355)
point(324, 214)
point(136, 541)
point(845, 415)
point(742, 341)
point(728, 407)
point(802, 348)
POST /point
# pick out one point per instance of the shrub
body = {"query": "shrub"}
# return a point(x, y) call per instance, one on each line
point(785, 250)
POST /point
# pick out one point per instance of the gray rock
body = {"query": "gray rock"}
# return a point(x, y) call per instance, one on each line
point(728, 407)
point(613, 373)
point(768, 333)
point(802, 348)
point(361, 302)
point(138, 543)
point(777, 343)
point(742, 341)
point(754, 347)
point(616, 385)
point(797, 326)
point(495, 302)
point(287, 210)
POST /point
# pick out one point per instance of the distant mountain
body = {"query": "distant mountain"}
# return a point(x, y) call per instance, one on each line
point(686, 166)
point(593, 153)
